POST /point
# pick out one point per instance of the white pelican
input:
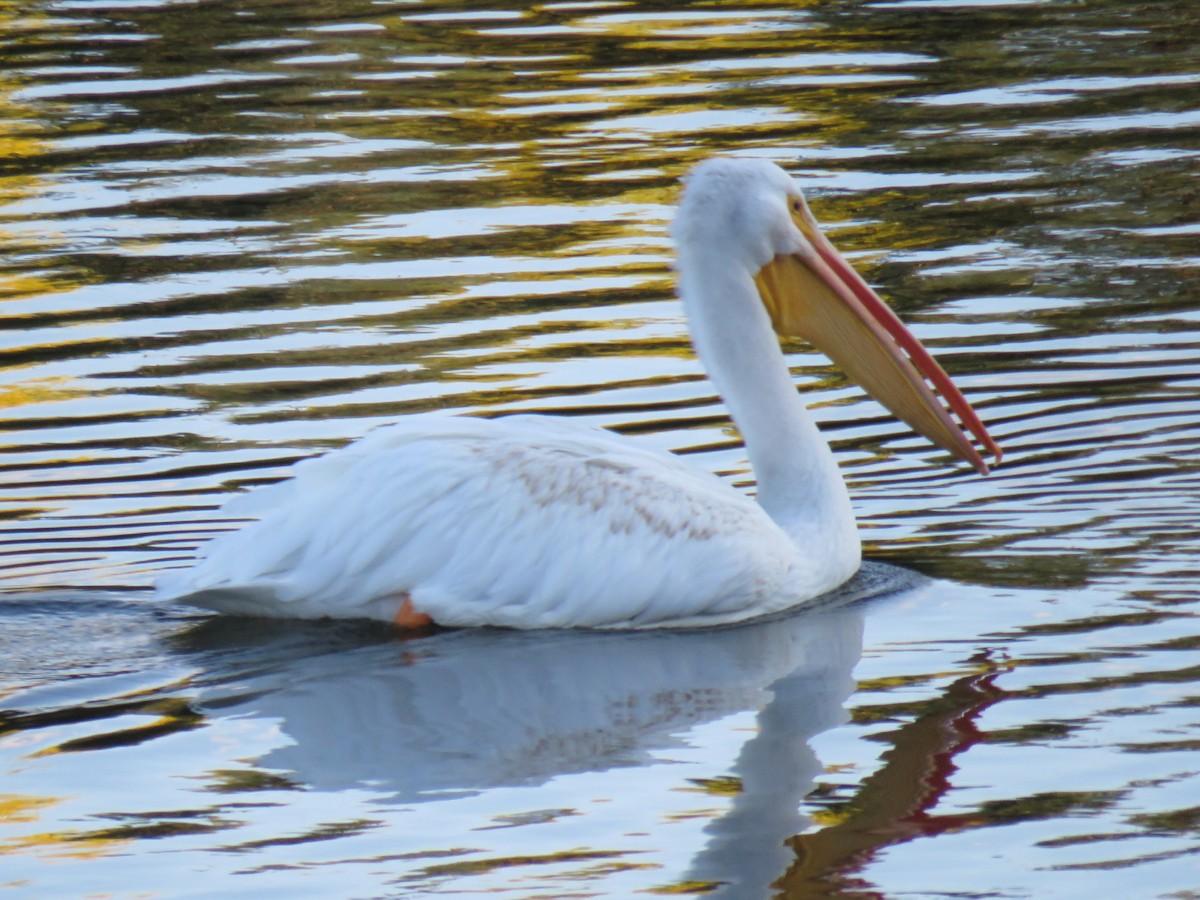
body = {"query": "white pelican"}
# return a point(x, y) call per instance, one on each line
point(538, 522)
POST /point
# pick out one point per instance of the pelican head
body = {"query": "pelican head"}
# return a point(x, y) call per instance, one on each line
point(751, 215)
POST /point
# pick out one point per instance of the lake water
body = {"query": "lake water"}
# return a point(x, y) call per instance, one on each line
point(237, 235)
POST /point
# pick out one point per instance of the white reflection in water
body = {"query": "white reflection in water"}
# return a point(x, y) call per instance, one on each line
point(464, 712)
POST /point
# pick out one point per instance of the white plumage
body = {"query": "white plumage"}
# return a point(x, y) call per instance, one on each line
point(526, 521)
point(538, 522)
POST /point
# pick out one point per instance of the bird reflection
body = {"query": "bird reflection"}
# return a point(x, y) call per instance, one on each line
point(746, 850)
point(465, 711)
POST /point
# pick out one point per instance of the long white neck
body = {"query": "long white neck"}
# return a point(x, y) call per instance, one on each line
point(799, 485)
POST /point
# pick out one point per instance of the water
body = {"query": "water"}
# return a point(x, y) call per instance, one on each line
point(236, 235)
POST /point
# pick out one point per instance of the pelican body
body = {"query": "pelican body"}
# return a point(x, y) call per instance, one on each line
point(539, 522)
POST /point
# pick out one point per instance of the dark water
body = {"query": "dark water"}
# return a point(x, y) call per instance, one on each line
point(235, 235)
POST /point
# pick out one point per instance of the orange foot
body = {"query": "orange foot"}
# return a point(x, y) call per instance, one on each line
point(407, 617)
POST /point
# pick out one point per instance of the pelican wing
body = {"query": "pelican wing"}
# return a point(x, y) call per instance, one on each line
point(525, 521)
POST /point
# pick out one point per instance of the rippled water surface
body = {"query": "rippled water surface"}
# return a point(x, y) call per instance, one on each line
point(237, 235)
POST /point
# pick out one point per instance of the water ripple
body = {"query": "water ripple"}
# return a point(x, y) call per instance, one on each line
point(238, 236)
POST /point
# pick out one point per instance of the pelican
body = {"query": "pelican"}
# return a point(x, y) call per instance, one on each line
point(538, 522)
